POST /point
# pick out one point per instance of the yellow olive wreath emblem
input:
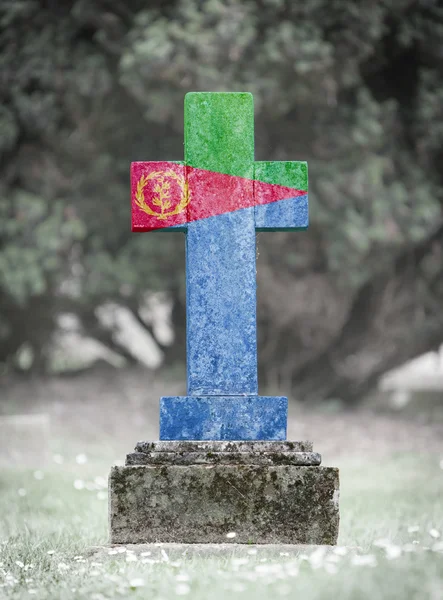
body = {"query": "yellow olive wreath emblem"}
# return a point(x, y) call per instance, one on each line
point(162, 191)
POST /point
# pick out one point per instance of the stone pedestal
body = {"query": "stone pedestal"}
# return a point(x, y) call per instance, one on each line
point(199, 492)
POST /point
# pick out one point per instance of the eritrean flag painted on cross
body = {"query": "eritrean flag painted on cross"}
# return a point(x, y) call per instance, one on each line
point(218, 176)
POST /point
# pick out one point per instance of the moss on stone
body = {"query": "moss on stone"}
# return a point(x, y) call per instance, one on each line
point(275, 504)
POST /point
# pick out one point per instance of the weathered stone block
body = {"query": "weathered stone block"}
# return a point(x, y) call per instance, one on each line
point(233, 458)
point(247, 446)
point(202, 503)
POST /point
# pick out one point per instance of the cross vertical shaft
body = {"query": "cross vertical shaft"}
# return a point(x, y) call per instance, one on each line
point(220, 250)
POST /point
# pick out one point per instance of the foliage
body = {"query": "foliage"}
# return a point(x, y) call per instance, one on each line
point(88, 87)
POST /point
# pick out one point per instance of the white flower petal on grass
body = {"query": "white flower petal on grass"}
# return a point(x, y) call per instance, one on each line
point(78, 557)
point(252, 551)
point(50, 552)
point(100, 481)
point(39, 475)
point(331, 568)
point(292, 569)
point(316, 557)
point(81, 459)
point(113, 552)
point(392, 552)
point(182, 577)
point(413, 528)
point(364, 560)
point(21, 492)
point(164, 555)
point(434, 533)
point(10, 580)
point(20, 564)
point(145, 554)
point(79, 484)
point(231, 535)
point(182, 589)
point(131, 558)
point(136, 583)
point(121, 550)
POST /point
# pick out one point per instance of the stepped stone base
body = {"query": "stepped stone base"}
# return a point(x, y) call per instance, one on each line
point(199, 492)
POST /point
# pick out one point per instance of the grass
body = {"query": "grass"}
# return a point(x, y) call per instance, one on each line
point(51, 519)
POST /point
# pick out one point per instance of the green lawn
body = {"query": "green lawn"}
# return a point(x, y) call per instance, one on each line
point(49, 521)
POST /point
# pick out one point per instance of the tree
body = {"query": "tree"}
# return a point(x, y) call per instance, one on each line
point(88, 87)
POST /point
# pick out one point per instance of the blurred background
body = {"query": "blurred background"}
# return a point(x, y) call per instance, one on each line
point(353, 88)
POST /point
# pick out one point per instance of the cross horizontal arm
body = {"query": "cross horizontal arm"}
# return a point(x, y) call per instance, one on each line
point(159, 196)
point(288, 214)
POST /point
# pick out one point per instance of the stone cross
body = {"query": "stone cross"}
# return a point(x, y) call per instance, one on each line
point(219, 196)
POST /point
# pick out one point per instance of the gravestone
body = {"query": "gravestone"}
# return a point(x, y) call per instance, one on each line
point(223, 469)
